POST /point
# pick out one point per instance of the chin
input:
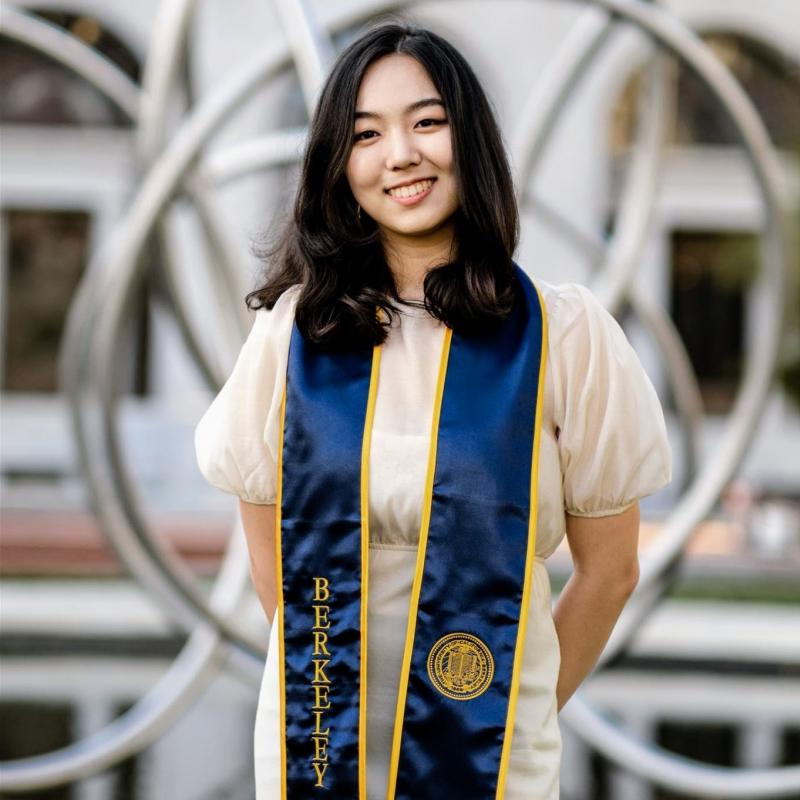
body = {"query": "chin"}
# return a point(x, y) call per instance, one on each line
point(418, 228)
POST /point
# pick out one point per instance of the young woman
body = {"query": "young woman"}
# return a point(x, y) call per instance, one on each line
point(412, 427)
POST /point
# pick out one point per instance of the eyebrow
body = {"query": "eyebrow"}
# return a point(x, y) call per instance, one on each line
point(428, 101)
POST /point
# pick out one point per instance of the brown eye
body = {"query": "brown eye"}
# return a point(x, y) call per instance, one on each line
point(431, 121)
point(362, 135)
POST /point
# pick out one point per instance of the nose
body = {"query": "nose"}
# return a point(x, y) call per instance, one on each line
point(401, 152)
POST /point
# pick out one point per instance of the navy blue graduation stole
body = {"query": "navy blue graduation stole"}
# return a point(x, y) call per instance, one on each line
point(469, 601)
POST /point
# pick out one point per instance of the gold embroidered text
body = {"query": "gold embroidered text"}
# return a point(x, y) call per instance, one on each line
point(320, 685)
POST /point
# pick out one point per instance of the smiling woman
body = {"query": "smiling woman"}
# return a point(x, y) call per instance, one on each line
point(401, 108)
point(401, 169)
point(412, 426)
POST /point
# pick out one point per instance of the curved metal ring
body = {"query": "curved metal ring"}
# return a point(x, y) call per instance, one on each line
point(740, 443)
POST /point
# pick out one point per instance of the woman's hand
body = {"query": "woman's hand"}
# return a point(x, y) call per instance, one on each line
point(606, 571)
point(258, 522)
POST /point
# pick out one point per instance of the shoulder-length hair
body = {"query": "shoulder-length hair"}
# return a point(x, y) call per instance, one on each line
point(339, 258)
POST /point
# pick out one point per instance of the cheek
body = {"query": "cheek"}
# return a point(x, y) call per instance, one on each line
point(355, 172)
point(360, 171)
point(351, 173)
point(442, 152)
point(443, 158)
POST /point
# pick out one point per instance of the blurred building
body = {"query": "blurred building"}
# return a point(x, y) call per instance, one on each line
point(714, 674)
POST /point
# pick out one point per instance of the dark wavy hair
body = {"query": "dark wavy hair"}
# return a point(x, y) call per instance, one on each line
point(339, 259)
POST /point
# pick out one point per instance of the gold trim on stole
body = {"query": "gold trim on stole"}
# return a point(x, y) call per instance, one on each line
point(529, 559)
point(279, 586)
point(423, 541)
point(417, 585)
point(365, 452)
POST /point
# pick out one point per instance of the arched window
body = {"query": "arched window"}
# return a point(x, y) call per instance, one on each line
point(53, 121)
point(713, 265)
point(35, 90)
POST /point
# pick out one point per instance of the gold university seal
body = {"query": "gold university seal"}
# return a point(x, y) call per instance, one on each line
point(460, 666)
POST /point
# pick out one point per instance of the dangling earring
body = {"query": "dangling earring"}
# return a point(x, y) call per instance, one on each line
point(358, 213)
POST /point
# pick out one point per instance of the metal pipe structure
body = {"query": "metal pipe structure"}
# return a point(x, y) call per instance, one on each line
point(172, 167)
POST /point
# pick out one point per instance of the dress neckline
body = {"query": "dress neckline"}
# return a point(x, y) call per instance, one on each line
point(412, 310)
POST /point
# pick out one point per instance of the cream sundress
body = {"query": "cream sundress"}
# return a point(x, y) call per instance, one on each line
point(603, 446)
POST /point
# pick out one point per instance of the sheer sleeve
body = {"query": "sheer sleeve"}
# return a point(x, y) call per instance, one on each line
point(612, 438)
point(236, 440)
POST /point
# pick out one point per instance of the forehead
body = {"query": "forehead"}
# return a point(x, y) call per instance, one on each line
point(392, 83)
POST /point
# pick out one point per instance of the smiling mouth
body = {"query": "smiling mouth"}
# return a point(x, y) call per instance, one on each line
point(412, 190)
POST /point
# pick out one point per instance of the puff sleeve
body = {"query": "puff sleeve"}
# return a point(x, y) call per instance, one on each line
point(612, 439)
point(236, 440)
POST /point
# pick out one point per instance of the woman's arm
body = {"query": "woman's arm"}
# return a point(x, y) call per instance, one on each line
point(258, 522)
point(606, 571)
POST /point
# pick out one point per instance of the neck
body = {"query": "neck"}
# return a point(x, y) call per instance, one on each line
point(411, 258)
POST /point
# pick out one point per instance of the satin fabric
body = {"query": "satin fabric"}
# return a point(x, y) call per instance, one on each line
point(320, 536)
point(474, 580)
point(536, 748)
point(603, 444)
point(476, 558)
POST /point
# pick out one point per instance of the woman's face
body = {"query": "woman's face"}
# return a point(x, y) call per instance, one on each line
point(401, 168)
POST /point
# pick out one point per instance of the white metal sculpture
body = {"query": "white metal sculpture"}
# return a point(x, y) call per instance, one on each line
point(178, 167)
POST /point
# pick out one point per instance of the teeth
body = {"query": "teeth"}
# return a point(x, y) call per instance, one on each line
point(410, 191)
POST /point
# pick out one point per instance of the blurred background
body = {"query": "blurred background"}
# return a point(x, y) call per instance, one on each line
point(146, 151)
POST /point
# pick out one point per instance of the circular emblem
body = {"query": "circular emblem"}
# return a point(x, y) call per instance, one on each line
point(460, 666)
